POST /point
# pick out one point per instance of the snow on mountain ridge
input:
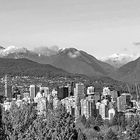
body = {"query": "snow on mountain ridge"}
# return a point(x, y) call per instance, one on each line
point(12, 49)
point(117, 60)
point(42, 50)
point(118, 56)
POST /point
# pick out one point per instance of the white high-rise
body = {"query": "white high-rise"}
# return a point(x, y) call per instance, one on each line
point(90, 90)
point(106, 91)
point(32, 91)
point(8, 87)
point(46, 91)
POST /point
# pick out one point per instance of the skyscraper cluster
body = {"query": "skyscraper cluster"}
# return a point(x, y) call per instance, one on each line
point(77, 99)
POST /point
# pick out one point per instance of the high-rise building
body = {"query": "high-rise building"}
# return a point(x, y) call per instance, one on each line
point(45, 91)
point(8, 87)
point(84, 107)
point(54, 93)
point(121, 105)
point(127, 98)
point(37, 89)
point(72, 89)
point(63, 92)
point(102, 110)
point(123, 101)
point(90, 90)
point(15, 91)
point(69, 103)
point(79, 95)
point(79, 91)
point(32, 91)
point(69, 89)
point(88, 107)
point(111, 113)
point(106, 91)
point(114, 95)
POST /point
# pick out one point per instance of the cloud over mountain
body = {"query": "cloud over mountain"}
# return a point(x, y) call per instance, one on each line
point(47, 51)
point(118, 60)
point(12, 49)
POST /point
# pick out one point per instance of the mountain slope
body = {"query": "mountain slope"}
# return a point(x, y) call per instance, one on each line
point(28, 68)
point(75, 61)
point(70, 59)
point(130, 72)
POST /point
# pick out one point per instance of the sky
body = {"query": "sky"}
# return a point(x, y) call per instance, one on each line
point(99, 27)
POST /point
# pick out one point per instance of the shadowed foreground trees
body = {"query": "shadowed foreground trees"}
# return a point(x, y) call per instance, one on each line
point(17, 120)
point(23, 123)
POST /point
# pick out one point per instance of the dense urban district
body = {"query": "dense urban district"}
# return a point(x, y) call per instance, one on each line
point(68, 108)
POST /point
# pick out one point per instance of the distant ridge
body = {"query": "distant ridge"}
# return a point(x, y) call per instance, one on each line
point(27, 67)
point(130, 72)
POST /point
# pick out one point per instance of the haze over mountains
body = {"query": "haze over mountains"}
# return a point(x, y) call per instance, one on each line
point(79, 62)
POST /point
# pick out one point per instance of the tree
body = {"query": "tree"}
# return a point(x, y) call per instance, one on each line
point(138, 129)
point(23, 123)
point(17, 120)
point(81, 135)
point(83, 120)
point(123, 121)
point(87, 125)
point(64, 124)
point(110, 135)
point(2, 135)
point(99, 120)
point(91, 120)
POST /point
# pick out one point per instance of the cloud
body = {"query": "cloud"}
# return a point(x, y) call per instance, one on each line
point(118, 60)
point(12, 49)
point(74, 54)
point(47, 51)
point(136, 43)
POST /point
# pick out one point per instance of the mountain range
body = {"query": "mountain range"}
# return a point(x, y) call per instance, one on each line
point(71, 60)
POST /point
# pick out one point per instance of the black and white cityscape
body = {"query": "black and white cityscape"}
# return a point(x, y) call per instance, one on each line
point(69, 70)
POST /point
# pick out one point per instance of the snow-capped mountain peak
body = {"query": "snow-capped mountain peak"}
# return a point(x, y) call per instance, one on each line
point(12, 49)
point(117, 60)
point(71, 52)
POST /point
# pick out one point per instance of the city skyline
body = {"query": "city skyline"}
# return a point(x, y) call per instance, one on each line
point(100, 28)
